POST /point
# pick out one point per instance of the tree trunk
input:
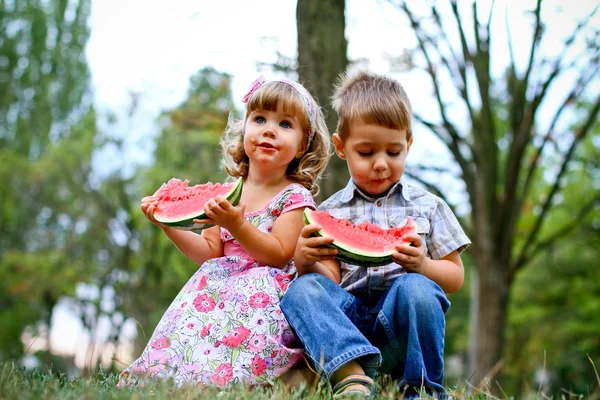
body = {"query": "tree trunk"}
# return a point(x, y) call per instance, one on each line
point(489, 304)
point(322, 48)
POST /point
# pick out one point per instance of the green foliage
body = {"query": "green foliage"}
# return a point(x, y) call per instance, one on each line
point(186, 148)
point(555, 305)
point(47, 131)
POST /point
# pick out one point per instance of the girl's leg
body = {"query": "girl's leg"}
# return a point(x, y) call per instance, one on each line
point(323, 316)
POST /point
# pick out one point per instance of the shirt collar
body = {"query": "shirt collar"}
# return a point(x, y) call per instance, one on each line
point(351, 188)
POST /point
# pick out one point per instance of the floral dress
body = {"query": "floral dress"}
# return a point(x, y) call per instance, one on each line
point(225, 326)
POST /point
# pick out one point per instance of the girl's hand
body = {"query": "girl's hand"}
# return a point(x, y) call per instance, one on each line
point(221, 212)
point(411, 254)
point(310, 250)
point(148, 207)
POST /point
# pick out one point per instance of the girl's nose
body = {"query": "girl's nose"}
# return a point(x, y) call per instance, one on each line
point(269, 131)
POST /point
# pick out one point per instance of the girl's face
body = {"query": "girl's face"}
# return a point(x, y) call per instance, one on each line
point(273, 138)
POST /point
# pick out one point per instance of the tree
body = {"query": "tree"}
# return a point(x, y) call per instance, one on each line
point(511, 131)
point(47, 127)
point(187, 147)
point(322, 49)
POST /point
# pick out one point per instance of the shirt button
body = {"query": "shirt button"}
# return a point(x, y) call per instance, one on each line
point(378, 203)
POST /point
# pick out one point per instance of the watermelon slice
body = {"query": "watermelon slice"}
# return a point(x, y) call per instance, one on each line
point(365, 244)
point(179, 204)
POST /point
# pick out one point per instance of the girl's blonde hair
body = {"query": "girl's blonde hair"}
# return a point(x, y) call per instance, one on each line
point(305, 170)
point(371, 99)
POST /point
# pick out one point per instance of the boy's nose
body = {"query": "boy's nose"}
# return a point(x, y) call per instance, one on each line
point(380, 164)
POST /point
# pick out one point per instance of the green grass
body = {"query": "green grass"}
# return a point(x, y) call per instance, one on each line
point(17, 383)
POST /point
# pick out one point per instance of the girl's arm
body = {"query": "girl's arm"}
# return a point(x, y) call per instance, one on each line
point(275, 249)
point(197, 248)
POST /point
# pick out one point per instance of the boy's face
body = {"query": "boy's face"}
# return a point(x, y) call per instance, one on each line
point(375, 156)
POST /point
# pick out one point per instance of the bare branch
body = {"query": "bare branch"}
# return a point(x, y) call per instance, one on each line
point(564, 231)
point(454, 148)
point(457, 141)
point(578, 88)
point(579, 136)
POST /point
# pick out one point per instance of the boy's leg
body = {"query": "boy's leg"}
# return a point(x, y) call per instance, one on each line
point(322, 314)
point(410, 329)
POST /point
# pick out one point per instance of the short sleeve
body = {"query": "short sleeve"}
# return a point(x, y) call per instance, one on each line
point(297, 197)
point(446, 233)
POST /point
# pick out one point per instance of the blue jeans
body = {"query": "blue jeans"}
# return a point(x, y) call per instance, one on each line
point(399, 331)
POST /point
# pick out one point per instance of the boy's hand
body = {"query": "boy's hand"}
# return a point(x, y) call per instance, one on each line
point(148, 207)
point(410, 254)
point(310, 250)
point(221, 212)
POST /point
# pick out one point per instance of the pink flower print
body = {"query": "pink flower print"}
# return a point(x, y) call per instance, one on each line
point(257, 343)
point(224, 294)
point(222, 375)
point(258, 366)
point(276, 212)
point(241, 307)
point(205, 330)
point(183, 305)
point(259, 300)
point(189, 368)
point(202, 282)
point(161, 343)
point(236, 337)
point(204, 303)
point(157, 361)
point(283, 280)
point(217, 343)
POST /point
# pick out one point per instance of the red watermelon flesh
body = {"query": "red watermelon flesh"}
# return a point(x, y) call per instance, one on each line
point(178, 203)
point(363, 244)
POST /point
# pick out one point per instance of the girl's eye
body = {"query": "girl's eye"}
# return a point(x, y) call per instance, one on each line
point(260, 120)
point(285, 124)
point(364, 153)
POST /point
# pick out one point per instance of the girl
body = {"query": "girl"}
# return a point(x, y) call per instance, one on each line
point(225, 326)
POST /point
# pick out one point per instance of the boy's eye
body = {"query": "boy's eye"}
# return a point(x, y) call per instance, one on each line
point(394, 153)
point(365, 153)
point(286, 124)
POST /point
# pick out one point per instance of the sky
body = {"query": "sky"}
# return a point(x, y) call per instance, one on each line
point(152, 47)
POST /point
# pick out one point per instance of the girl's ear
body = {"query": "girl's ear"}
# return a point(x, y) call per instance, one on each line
point(339, 146)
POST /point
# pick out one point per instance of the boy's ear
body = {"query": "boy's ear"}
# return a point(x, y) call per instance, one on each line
point(339, 146)
point(410, 142)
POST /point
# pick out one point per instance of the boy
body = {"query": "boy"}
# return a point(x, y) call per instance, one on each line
point(352, 320)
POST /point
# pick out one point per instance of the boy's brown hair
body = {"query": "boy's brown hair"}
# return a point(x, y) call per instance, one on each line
point(371, 99)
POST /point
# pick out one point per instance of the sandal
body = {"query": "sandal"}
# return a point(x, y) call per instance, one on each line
point(341, 391)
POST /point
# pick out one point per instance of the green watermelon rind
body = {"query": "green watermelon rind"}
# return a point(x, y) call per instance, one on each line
point(347, 253)
point(188, 224)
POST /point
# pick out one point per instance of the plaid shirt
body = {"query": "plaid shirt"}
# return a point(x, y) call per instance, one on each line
point(437, 225)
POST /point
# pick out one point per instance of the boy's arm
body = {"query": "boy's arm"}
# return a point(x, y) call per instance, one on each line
point(448, 272)
point(312, 255)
